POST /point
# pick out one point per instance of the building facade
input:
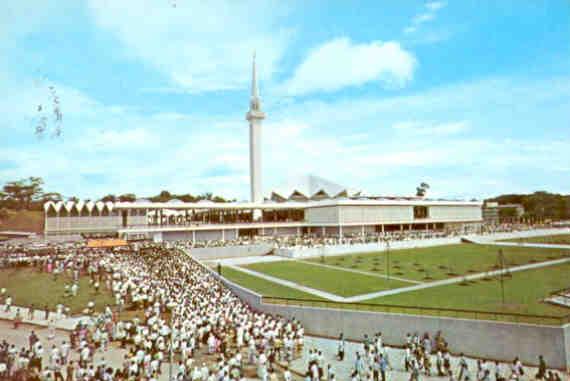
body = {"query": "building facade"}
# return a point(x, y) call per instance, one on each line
point(225, 221)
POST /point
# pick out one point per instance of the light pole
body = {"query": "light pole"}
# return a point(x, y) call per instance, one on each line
point(387, 241)
point(502, 265)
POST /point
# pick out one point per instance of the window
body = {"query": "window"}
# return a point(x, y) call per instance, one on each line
point(420, 212)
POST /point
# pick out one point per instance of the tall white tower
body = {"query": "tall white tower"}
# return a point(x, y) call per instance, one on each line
point(255, 116)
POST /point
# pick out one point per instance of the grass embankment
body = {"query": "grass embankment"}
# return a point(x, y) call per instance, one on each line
point(338, 282)
point(262, 286)
point(29, 286)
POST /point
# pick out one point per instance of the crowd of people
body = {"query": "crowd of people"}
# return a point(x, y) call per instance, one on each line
point(184, 310)
point(317, 240)
point(181, 319)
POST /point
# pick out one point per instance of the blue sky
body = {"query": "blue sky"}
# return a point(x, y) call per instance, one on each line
point(472, 97)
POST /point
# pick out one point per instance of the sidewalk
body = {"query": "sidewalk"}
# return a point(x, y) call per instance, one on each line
point(65, 323)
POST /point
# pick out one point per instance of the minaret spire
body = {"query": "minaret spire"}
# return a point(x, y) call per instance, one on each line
point(255, 102)
point(254, 90)
point(255, 116)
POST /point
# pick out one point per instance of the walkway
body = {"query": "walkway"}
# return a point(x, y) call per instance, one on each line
point(319, 293)
point(65, 323)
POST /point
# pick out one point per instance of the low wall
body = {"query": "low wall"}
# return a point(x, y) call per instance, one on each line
point(332, 250)
point(304, 252)
point(207, 253)
point(476, 338)
point(522, 234)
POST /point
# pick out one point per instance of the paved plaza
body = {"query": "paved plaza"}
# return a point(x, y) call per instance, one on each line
point(114, 355)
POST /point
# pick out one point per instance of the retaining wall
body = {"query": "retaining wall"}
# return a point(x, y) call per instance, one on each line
point(477, 338)
point(332, 250)
point(208, 253)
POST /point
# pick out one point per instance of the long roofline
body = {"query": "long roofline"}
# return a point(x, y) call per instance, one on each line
point(259, 205)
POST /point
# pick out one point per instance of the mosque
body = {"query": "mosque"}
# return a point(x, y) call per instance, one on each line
point(303, 205)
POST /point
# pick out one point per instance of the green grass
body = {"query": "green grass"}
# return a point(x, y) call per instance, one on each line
point(23, 220)
point(442, 262)
point(558, 239)
point(27, 286)
point(524, 293)
point(338, 282)
point(262, 286)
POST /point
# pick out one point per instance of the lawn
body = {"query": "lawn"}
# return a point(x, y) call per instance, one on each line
point(558, 239)
point(338, 282)
point(441, 262)
point(524, 293)
point(27, 286)
point(264, 287)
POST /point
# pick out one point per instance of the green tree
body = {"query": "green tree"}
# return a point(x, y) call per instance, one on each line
point(127, 197)
point(109, 197)
point(51, 196)
point(422, 189)
point(21, 193)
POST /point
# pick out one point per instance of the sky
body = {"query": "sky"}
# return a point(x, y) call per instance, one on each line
point(471, 96)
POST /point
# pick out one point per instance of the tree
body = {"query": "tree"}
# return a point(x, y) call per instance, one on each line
point(127, 197)
point(205, 196)
point(422, 189)
point(51, 196)
point(21, 193)
point(162, 197)
point(109, 197)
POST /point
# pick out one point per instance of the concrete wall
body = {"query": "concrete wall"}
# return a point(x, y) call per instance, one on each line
point(478, 338)
point(82, 224)
point(567, 344)
point(445, 213)
point(304, 252)
point(522, 234)
point(322, 215)
point(377, 214)
point(209, 253)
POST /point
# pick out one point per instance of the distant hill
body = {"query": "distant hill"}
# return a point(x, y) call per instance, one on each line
point(23, 220)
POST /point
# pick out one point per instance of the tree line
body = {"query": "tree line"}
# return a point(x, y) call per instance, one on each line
point(541, 204)
point(29, 194)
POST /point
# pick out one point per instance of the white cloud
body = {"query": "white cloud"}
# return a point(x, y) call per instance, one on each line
point(382, 145)
point(198, 45)
point(109, 140)
point(341, 63)
point(428, 14)
point(435, 5)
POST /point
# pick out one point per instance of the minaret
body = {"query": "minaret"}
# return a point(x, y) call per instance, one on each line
point(255, 116)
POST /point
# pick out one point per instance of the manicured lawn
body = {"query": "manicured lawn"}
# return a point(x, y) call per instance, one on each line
point(559, 239)
point(338, 282)
point(264, 287)
point(442, 262)
point(524, 293)
point(27, 286)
